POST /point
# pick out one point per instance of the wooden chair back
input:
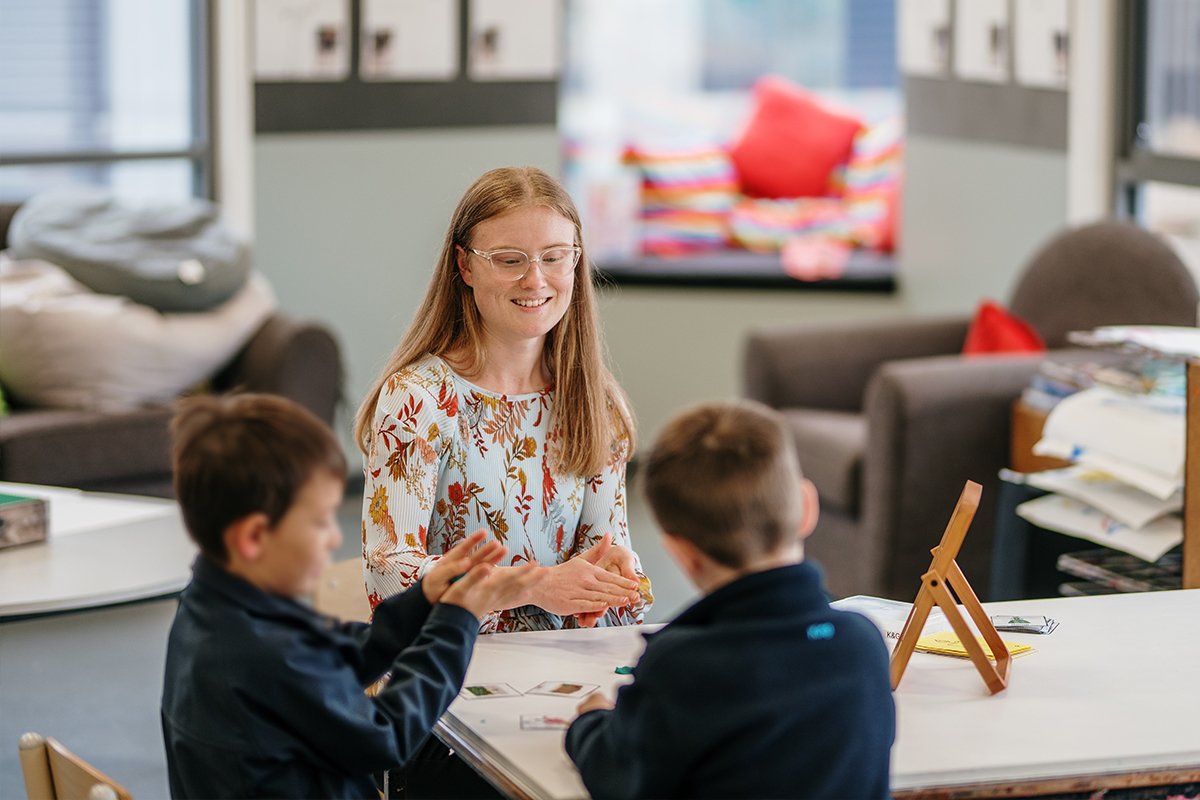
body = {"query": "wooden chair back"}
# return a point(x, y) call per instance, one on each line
point(52, 772)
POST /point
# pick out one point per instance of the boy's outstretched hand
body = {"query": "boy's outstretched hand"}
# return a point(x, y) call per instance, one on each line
point(594, 702)
point(487, 587)
point(459, 560)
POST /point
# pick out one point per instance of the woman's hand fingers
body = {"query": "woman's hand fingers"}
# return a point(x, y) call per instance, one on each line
point(578, 586)
point(596, 552)
point(621, 561)
point(611, 580)
point(588, 619)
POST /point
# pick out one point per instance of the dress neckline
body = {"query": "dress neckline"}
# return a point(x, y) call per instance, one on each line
point(490, 392)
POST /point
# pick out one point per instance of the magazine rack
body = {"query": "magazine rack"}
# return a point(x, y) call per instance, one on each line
point(943, 575)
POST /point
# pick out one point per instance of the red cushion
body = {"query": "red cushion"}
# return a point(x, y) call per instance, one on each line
point(791, 144)
point(995, 330)
point(890, 223)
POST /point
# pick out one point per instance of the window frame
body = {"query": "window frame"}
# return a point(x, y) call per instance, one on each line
point(200, 153)
point(1137, 162)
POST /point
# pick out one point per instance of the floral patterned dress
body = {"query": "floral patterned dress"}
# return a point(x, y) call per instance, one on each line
point(448, 457)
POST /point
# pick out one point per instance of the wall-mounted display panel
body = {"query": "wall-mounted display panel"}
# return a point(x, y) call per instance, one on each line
point(923, 31)
point(409, 40)
point(301, 40)
point(1041, 42)
point(981, 40)
point(515, 40)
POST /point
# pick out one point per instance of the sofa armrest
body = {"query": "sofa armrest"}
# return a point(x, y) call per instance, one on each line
point(933, 424)
point(298, 359)
point(828, 366)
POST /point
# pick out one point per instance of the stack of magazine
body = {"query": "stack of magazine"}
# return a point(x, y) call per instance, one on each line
point(1108, 572)
point(1124, 436)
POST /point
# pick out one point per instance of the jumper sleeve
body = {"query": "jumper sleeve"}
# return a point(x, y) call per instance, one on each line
point(410, 434)
point(625, 752)
point(396, 623)
point(315, 696)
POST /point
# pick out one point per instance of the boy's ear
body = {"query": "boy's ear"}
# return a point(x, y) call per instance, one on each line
point(245, 538)
point(689, 557)
point(812, 508)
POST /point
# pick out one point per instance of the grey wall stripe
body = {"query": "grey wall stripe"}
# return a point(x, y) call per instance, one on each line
point(357, 105)
point(984, 112)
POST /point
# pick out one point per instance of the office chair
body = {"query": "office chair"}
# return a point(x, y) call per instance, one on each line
point(52, 772)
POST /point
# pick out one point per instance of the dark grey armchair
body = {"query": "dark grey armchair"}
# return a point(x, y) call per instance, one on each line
point(129, 451)
point(889, 420)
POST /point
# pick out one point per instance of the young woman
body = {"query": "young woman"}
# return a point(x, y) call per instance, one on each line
point(496, 411)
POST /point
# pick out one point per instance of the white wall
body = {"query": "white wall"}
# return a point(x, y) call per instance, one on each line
point(335, 212)
point(349, 225)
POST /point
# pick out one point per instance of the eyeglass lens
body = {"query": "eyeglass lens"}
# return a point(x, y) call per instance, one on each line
point(515, 263)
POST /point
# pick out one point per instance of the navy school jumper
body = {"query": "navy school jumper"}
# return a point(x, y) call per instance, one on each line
point(263, 697)
point(760, 689)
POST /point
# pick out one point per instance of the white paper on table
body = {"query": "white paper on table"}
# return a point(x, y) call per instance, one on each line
point(1121, 501)
point(72, 511)
point(889, 615)
point(1065, 515)
point(1122, 434)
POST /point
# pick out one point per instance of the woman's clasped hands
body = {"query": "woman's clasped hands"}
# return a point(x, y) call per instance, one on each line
point(599, 578)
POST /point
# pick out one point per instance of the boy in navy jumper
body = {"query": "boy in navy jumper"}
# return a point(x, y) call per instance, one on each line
point(262, 696)
point(759, 689)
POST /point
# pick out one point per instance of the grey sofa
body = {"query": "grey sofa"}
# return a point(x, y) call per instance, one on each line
point(129, 452)
point(890, 420)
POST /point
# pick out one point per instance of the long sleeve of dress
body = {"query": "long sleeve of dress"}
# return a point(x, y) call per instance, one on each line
point(400, 485)
point(604, 511)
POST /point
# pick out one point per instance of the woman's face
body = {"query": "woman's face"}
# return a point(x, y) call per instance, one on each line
point(520, 310)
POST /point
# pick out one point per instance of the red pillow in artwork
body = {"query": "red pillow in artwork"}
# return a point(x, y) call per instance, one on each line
point(995, 330)
point(792, 143)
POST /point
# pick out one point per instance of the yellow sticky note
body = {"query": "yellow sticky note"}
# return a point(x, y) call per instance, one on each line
point(947, 643)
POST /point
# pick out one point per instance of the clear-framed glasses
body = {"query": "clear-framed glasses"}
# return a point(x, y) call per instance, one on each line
point(512, 265)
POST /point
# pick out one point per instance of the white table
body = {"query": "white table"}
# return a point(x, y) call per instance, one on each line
point(1111, 698)
point(101, 549)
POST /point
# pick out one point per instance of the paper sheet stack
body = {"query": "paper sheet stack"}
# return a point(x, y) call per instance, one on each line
point(1124, 490)
point(947, 643)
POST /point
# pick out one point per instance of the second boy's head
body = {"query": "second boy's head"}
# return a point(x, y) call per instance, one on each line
point(724, 479)
point(259, 480)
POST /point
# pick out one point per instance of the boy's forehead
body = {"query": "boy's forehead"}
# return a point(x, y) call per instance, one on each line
point(322, 485)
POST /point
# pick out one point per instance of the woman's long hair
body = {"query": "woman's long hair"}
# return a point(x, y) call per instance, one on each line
point(590, 408)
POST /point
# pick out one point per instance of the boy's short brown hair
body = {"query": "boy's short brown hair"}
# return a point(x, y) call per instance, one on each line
point(240, 454)
point(725, 476)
